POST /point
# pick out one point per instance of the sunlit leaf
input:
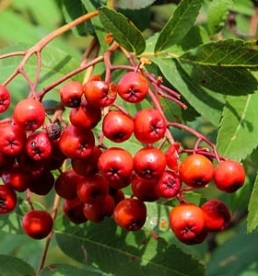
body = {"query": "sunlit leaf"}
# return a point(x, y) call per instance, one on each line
point(133, 4)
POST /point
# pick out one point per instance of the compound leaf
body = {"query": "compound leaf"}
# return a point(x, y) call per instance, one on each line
point(179, 24)
point(238, 126)
point(252, 218)
point(123, 30)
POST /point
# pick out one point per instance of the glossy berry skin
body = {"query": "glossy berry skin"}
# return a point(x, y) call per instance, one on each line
point(130, 214)
point(92, 189)
point(85, 116)
point(196, 170)
point(66, 184)
point(117, 126)
point(5, 98)
point(229, 176)
point(12, 139)
point(71, 94)
point(149, 163)
point(89, 165)
point(42, 183)
point(116, 165)
point(8, 199)
point(37, 224)
point(168, 185)
point(76, 143)
point(216, 215)
point(73, 209)
point(144, 189)
point(29, 114)
point(149, 126)
point(133, 87)
point(172, 156)
point(100, 94)
point(38, 146)
point(187, 223)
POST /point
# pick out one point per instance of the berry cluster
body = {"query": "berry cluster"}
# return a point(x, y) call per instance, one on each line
point(92, 177)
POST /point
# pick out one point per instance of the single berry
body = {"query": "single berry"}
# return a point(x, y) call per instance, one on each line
point(8, 199)
point(5, 98)
point(71, 94)
point(73, 210)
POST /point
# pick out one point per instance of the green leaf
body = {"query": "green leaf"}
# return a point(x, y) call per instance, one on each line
point(252, 218)
point(12, 266)
point(65, 269)
point(123, 30)
point(216, 15)
point(224, 80)
point(208, 104)
point(118, 252)
point(133, 4)
point(224, 53)
point(238, 126)
point(179, 24)
point(235, 256)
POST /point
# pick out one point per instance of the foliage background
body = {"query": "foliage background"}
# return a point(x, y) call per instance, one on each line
point(220, 116)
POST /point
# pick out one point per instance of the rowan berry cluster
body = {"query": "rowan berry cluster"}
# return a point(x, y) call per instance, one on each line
point(33, 145)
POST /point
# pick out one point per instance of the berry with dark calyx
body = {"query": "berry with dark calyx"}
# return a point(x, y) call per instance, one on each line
point(37, 224)
point(8, 199)
point(85, 116)
point(188, 224)
point(71, 93)
point(116, 165)
point(99, 93)
point(229, 176)
point(12, 139)
point(130, 214)
point(144, 189)
point(216, 215)
point(66, 184)
point(76, 143)
point(5, 98)
point(89, 165)
point(38, 145)
point(196, 170)
point(169, 184)
point(92, 189)
point(117, 126)
point(73, 210)
point(149, 125)
point(149, 163)
point(133, 87)
point(29, 114)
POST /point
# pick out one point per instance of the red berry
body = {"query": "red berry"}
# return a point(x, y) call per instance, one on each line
point(229, 176)
point(116, 165)
point(85, 116)
point(37, 224)
point(71, 94)
point(5, 98)
point(117, 126)
point(76, 143)
point(38, 145)
point(149, 163)
point(149, 126)
point(29, 114)
point(66, 184)
point(130, 214)
point(196, 170)
point(42, 183)
point(216, 215)
point(73, 209)
point(144, 189)
point(100, 94)
point(187, 223)
point(92, 189)
point(133, 87)
point(168, 185)
point(12, 139)
point(8, 199)
point(173, 156)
